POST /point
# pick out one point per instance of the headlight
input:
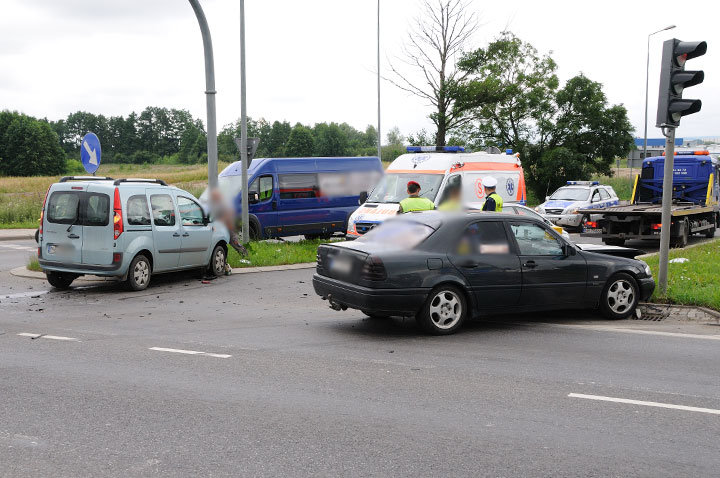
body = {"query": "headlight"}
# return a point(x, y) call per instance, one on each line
point(647, 270)
point(572, 211)
point(540, 209)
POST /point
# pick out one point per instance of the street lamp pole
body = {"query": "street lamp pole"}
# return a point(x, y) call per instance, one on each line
point(379, 135)
point(244, 215)
point(647, 81)
point(209, 95)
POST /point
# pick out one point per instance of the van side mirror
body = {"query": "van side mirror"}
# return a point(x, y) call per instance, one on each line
point(253, 197)
point(363, 198)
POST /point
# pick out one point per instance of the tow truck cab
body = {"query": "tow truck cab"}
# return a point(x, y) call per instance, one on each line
point(695, 179)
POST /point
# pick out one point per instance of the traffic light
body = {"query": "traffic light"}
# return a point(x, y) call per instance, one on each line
point(674, 79)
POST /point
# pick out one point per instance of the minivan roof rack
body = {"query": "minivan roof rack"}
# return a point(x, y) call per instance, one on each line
point(140, 180)
point(85, 178)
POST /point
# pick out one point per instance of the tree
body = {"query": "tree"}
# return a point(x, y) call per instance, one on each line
point(300, 143)
point(277, 138)
point(394, 138)
point(330, 140)
point(28, 147)
point(512, 95)
point(193, 144)
point(437, 38)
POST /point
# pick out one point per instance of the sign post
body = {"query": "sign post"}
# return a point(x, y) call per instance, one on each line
point(90, 153)
point(666, 221)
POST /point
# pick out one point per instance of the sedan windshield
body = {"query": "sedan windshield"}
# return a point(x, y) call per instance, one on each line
point(392, 188)
point(571, 194)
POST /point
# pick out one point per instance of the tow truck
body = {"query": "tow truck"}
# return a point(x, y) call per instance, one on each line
point(695, 210)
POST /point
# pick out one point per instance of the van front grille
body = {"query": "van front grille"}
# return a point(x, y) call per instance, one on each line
point(363, 227)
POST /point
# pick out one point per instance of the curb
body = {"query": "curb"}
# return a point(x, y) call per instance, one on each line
point(659, 311)
point(22, 271)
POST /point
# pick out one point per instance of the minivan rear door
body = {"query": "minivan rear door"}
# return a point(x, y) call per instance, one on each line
point(98, 238)
point(62, 225)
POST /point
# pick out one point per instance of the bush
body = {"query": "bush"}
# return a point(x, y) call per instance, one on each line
point(73, 166)
point(28, 147)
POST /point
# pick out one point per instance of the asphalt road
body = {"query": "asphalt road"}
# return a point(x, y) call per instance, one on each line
point(253, 375)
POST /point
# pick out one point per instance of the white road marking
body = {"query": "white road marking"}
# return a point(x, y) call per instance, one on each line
point(18, 247)
point(601, 328)
point(190, 352)
point(644, 403)
point(51, 337)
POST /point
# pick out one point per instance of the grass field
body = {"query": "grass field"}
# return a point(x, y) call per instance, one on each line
point(276, 253)
point(695, 282)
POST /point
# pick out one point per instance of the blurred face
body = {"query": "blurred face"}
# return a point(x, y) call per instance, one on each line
point(489, 191)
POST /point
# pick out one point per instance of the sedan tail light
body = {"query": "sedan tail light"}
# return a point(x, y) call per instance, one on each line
point(373, 269)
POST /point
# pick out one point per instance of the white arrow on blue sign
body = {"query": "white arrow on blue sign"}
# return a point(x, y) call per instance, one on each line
point(90, 152)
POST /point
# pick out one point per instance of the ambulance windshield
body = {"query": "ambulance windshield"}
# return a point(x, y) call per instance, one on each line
point(392, 188)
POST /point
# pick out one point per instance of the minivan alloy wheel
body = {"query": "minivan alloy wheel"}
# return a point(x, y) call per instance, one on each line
point(445, 309)
point(219, 261)
point(141, 273)
point(620, 296)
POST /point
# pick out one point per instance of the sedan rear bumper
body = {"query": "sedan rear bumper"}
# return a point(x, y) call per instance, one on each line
point(389, 301)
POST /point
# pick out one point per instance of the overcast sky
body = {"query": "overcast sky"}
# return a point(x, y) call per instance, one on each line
point(315, 60)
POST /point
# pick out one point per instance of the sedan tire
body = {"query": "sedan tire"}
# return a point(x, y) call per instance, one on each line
point(138, 277)
point(444, 311)
point(619, 297)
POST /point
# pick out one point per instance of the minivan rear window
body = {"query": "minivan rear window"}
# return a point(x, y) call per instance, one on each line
point(63, 207)
point(97, 210)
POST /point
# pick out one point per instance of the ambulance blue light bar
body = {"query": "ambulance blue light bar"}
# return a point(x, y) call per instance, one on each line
point(583, 183)
point(435, 149)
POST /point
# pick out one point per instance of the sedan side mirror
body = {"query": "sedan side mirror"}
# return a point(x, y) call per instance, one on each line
point(363, 198)
point(568, 250)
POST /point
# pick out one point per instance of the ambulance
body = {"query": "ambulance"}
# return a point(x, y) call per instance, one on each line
point(437, 170)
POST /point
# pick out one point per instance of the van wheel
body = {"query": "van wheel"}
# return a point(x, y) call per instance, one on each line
point(444, 311)
point(619, 297)
point(139, 273)
point(60, 280)
point(254, 232)
point(217, 261)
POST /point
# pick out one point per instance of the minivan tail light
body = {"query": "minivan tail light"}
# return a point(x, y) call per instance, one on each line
point(374, 269)
point(42, 211)
point(117, 215)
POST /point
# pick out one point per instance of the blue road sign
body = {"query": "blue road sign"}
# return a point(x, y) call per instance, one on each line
point(90, 152)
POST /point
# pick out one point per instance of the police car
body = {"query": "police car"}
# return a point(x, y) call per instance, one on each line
point(562, 206)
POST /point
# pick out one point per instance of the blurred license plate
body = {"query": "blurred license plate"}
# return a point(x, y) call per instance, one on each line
point(341, 264)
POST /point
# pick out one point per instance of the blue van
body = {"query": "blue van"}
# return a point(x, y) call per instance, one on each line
point(293, 196)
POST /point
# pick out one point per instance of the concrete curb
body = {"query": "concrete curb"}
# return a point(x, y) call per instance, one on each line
point(679, 312)
point(22, 271)
point(17, 234)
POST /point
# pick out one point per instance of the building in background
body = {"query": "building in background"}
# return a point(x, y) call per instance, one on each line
point(655, 147)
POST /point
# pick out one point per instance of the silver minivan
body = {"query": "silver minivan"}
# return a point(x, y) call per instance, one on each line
point(128, 229)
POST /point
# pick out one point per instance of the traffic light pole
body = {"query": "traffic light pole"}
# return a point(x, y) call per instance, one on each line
point(666, 221)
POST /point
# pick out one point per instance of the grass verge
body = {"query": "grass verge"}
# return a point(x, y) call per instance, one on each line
point(33, 265)
point(695, 282)
point(276, 253)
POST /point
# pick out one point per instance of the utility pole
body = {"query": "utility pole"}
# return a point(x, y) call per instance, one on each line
point(245, 217)
point(209, 95)
point(379, 134)
point(666, 220)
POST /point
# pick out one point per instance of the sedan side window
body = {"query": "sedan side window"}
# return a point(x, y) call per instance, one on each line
point(191, 214)
point(163, 209)
point(535, 240)
point(484, 237)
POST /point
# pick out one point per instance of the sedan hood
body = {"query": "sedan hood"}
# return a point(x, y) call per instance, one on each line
point(618, 251)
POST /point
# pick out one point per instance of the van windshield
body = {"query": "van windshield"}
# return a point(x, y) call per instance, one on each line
point(392, 188)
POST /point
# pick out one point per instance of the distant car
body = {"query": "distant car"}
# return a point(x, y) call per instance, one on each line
point(125, 228)
point(521, 210)
point(562, 206)
point(444, 268)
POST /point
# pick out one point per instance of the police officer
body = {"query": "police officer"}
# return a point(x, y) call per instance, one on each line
point(453, 201)
point(414, 202)
point(493, 201)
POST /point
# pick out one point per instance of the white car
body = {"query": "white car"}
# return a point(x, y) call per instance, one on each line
point(562, 206)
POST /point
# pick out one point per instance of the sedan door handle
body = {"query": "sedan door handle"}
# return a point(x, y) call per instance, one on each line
point(530, 264)
point(186, 234)
point(73, 236)
point(176, 235)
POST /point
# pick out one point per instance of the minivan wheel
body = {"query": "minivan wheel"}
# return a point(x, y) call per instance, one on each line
point(139, 273)
point(217, 261)
point(444, 311)
point(619, 297)
point(60, 280)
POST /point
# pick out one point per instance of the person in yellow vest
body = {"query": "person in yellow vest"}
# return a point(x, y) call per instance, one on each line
point(414, 202)
point(493, 201)
point(453, 202)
